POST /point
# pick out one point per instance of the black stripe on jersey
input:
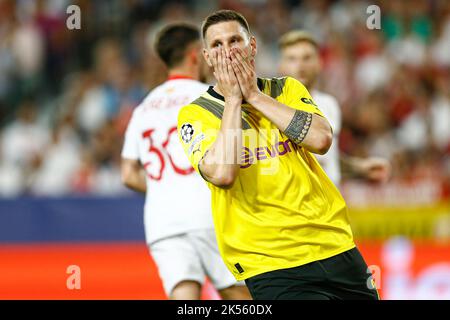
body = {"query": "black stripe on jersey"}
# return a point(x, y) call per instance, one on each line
point(274, 85)
point(216, 108)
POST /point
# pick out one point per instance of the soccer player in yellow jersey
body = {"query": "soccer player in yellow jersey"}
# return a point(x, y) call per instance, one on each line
point(280, 223)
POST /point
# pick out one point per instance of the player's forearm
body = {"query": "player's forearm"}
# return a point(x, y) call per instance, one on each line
point(309, 130)
point(137, 184)
point(221, 164)
point(350, 166)
point(134, 178)
point(372, 168)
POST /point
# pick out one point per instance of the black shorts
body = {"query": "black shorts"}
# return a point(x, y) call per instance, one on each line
point(341, 277)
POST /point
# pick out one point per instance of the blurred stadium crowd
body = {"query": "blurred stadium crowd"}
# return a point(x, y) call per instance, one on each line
point(66, 95)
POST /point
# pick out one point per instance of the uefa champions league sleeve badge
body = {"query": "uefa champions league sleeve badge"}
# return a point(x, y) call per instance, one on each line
point(187, 132)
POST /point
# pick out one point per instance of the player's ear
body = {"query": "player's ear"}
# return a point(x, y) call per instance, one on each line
point(253, 46)
point(206, 56)
point(193, 55)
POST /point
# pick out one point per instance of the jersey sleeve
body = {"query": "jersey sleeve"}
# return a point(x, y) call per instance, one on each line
point(297, 96)
point(130, 149)
point(197, 131)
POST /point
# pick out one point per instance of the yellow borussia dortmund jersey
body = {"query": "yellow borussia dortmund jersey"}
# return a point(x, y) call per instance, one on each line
point(282, 211)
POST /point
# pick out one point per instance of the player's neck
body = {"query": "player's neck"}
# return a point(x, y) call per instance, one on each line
point(183, 72)
point(216, 89)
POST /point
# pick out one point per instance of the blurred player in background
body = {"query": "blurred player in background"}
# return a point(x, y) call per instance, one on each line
point(281, 223)
point(177, 218)
point(300, 59)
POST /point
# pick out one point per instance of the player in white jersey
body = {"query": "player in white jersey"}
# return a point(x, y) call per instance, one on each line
point(300, 59)
point(177, 214)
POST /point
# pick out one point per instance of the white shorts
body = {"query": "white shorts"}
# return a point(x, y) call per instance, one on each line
point(191, 256)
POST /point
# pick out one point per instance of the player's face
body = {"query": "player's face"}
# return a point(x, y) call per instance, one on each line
point(227, 35)
point(301, 61)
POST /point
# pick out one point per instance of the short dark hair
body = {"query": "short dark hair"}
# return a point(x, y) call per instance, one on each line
point(173, 40)
point(224, 16)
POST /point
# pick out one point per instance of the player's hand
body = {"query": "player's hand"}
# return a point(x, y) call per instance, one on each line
point(224, 74)
point(376, 169)
point(244, 68)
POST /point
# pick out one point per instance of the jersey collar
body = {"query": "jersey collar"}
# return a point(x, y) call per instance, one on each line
point(179, 76)
point(216, 95)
